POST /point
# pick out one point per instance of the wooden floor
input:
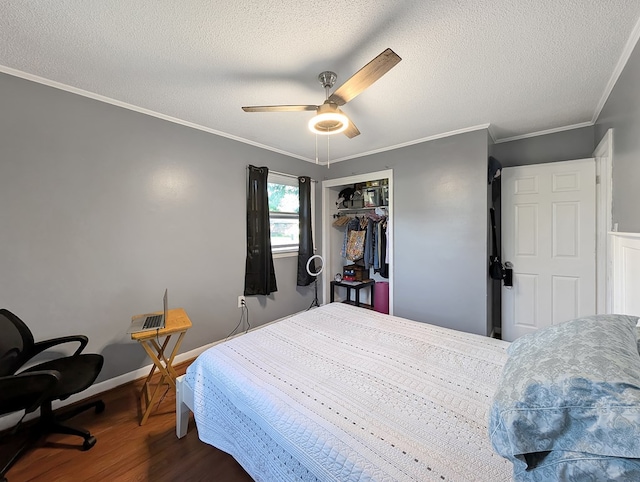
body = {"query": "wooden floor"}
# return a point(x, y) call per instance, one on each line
point(126, 451)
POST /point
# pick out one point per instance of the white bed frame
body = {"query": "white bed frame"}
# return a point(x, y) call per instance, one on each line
point(184, 393)
point(184, 405)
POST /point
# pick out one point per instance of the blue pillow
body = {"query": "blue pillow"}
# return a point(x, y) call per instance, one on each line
point(560, 465)
point(570, 387)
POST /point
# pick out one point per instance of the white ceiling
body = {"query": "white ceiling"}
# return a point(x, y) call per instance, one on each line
point(521, 66)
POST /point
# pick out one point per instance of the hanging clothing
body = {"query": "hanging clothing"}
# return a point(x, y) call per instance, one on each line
point(260, 275)
point(355, 246)
point(377, 254)
point(353, 224)
point(369, 245)
point(382, 265)
point(386, 234)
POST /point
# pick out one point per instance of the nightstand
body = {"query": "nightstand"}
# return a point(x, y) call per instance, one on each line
point(356, 286)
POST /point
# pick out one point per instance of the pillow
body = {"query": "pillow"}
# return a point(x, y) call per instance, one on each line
point(570, 387)
point(561, 465)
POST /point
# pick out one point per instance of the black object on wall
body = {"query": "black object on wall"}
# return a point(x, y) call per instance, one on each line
point(495, 169)
point(496, 269)
point(305, 248)
point(260, 276)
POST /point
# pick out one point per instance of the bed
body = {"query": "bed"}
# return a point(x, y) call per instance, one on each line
point(343, 393)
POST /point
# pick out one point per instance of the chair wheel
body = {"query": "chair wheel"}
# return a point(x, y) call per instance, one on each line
point(88, 443)
point(100, 407)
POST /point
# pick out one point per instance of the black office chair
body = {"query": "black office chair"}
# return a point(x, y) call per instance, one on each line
point(37, 386)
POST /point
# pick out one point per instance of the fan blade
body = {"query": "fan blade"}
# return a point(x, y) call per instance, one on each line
point(364, 77)
point(352, 130)
point(280, 108)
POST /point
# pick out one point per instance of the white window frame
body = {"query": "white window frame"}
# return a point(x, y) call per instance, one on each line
point(283, 252)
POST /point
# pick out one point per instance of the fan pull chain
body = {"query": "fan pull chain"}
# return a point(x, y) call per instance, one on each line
point(328, 157)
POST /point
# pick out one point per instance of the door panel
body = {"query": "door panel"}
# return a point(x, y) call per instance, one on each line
point(566, 231)
point(549, 232)
point(526, 219)
point(566, 298)
point(526, 307)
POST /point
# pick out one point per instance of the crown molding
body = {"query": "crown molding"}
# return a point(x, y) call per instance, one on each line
point(175, 120)
point(492, 134)
point(411, 143)
point(622, 63)
point(545, 132)
point(141, 110)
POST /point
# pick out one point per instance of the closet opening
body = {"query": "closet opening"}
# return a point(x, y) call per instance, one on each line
point(357, 240)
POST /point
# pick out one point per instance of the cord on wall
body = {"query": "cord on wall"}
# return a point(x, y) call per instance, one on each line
point(244, 315)
point(245, 307)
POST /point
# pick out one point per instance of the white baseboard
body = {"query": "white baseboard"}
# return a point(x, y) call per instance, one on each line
point(10, 420)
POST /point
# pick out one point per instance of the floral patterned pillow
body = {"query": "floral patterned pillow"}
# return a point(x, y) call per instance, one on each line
point(574, 466)
point(571, 387)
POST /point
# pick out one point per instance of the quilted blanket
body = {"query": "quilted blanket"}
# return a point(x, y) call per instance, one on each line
point(345, 394)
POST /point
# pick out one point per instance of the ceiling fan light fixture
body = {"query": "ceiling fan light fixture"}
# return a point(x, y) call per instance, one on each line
point(329, 123)
point(330, 119)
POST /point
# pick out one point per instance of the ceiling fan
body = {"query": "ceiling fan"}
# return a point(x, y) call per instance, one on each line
point(329, 118)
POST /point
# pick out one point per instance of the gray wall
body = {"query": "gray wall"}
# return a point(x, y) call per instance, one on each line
point(560, 146)
point(440, 228)
point(103, 208)
point(622, 113)
point(83, 185)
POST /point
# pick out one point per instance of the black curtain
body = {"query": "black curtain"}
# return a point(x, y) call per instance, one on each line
point(305, 249)
point(260, 277)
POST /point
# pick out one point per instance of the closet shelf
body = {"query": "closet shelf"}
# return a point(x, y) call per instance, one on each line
point(353, 210)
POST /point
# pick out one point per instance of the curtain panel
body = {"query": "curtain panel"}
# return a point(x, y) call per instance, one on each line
point(305, 249)
point(260, 276)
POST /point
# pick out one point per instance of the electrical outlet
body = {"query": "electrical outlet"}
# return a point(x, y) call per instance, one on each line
point(241, 301)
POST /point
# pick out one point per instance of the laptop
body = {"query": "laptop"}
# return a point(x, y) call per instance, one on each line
point(151, 321)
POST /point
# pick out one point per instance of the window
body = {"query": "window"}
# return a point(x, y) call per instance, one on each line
point(284, 206)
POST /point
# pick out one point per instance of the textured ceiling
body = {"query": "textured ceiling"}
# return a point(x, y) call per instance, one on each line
point(522, 66)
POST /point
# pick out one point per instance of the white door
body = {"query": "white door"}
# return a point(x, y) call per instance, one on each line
point(549, 235)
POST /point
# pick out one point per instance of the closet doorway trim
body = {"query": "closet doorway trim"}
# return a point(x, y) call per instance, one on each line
point(328, 207)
